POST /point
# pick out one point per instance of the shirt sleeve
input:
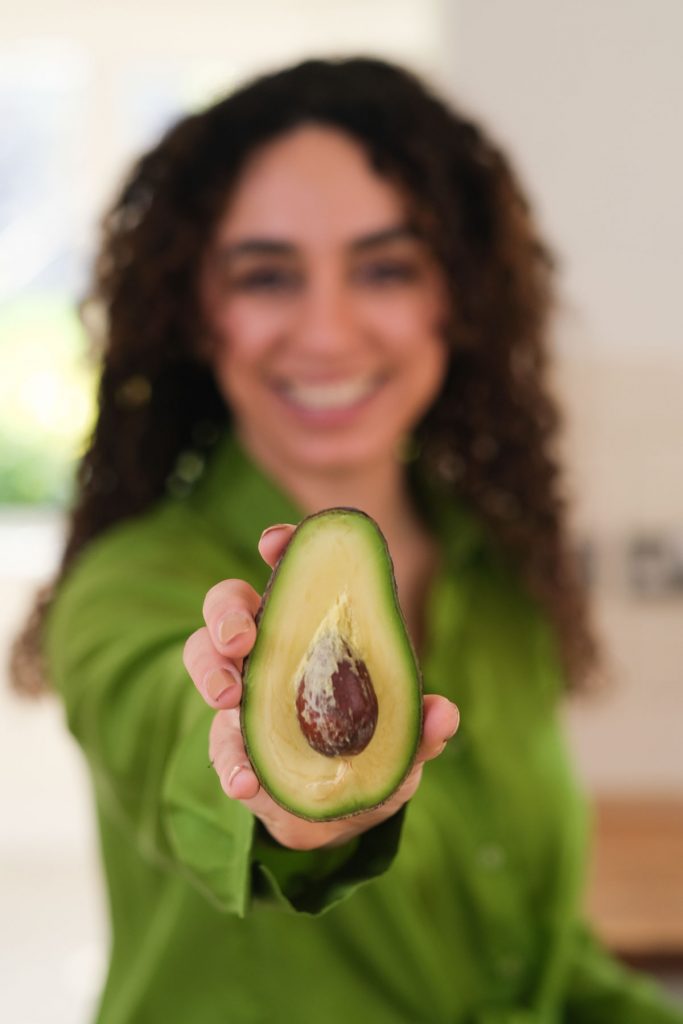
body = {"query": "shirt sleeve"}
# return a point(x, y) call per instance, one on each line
point(603, 989)
point(113, 645)
point(232, 858)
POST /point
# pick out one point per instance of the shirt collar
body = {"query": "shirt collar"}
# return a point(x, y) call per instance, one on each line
point(241, 500)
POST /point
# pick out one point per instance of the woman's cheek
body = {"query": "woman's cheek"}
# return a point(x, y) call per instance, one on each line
point(251, 327)
point(402, 319)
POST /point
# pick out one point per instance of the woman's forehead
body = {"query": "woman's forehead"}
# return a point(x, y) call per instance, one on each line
point(315, 183)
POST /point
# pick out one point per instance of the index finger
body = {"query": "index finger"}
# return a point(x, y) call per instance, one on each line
point(229, 610)
point(273, 542)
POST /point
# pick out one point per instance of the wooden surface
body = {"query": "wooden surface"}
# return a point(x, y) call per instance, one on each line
point(635, 895)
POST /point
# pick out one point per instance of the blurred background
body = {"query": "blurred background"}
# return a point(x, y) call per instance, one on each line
point(586, 97)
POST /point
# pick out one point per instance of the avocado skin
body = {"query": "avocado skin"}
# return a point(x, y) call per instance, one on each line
point(288, 805)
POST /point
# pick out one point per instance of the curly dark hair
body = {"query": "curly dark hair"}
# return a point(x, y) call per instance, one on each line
point(491, 433)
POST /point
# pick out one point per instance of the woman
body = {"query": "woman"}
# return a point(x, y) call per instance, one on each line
point(328, 290)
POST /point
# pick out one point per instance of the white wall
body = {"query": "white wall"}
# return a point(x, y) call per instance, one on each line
point(587, 94)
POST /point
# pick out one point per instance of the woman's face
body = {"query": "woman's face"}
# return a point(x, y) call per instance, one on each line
point(324, 308)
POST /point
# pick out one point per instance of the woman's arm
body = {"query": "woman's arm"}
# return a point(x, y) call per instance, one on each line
point(114, 646)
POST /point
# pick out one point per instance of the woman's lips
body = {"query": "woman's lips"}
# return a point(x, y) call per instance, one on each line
point(329, 402)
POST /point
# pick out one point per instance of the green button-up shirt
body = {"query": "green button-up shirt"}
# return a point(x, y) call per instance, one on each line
point(464, 907)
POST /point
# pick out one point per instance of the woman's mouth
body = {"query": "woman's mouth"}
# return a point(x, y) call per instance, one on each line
point(332, 396)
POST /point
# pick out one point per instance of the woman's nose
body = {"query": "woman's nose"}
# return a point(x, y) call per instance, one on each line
point(326, 322)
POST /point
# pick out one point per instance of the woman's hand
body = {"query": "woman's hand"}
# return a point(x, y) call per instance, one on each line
point(213, 657)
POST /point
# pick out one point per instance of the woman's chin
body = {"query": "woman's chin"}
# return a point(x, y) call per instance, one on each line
point(335, 456)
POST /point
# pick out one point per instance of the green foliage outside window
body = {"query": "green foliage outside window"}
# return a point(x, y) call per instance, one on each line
point(47, 399)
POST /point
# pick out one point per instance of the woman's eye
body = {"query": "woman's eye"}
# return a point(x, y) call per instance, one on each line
point(265, 280)
point(379, 273)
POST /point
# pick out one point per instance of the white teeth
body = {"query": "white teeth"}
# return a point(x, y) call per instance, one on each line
point(331, 396)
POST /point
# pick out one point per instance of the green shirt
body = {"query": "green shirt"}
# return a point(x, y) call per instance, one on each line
point(464, 907)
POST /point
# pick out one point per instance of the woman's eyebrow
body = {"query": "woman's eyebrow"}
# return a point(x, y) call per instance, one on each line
point(255, 247)
point(398, 232)
point(279, 247)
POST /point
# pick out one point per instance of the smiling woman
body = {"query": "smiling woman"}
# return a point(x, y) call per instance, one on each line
point(328, 290)
point(325, 311)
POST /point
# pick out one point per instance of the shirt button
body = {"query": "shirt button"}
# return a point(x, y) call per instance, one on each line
point(492, 856)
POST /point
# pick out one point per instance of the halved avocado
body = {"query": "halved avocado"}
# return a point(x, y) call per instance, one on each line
point(331, 711)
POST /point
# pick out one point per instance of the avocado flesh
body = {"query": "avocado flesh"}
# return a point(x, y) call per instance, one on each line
point(336, 577)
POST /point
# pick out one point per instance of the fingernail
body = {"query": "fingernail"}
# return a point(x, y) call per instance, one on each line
point(233, 624)
point(451, 734)
point(274, 529)
point(219, 681)
point(235, 772)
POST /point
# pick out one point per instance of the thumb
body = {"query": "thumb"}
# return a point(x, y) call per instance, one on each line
point(441, 720)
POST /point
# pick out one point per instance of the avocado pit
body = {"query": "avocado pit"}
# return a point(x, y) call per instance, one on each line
point(336, 703)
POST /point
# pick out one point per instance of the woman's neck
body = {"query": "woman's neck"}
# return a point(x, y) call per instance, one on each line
point(379, 488)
